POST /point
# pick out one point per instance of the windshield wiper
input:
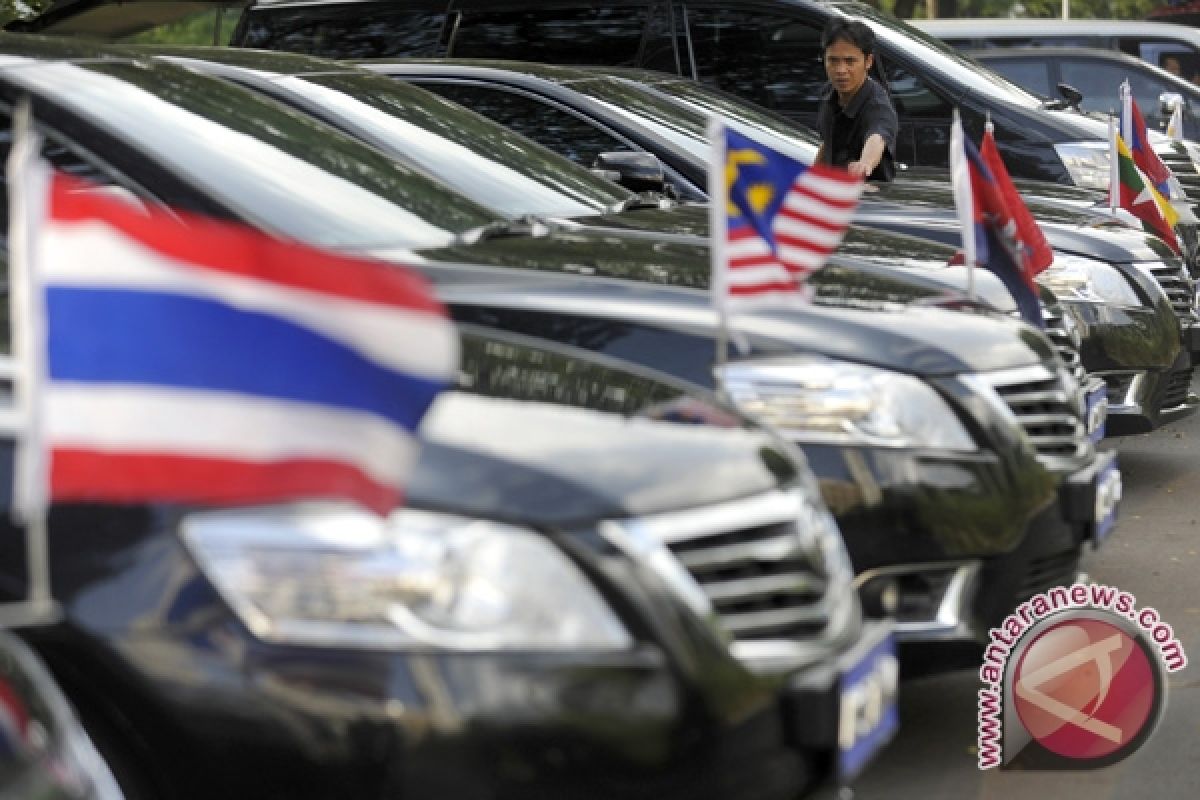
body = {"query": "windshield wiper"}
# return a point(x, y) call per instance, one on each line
point(526, 225)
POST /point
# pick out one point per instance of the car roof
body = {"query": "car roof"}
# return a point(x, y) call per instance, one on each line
point(548, 72)
point(993, 28)
point(1000, 53)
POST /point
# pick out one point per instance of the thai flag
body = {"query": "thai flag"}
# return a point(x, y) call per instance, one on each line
point(179, 359)
point(775, 220)
point(991, 237)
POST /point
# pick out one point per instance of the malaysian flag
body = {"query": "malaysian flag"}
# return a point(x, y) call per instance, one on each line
point(775, 220)
point(171, 358)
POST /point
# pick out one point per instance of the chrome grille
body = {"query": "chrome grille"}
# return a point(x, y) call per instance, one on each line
point(1060, 331)
point(1178, 285)
point(1047, 405)
point(760, 562)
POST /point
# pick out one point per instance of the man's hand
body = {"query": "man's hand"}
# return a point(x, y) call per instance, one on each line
point(868, 160)
point(860, 169)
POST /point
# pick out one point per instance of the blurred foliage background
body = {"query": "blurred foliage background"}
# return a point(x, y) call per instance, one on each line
point(198, 29)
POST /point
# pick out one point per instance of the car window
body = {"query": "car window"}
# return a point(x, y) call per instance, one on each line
point(911, 95)
point(1099, 82)
point(263, 162)
point(773, 61)
point(352, 30)
point(1174, 57)
point(549, 125)
point(1032, 75)
point(589, 35)
point(485, 161)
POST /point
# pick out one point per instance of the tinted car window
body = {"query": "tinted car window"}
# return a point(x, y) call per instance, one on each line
point(276, 168)
point(548, 125)
point(596, 35)
point(773, 61)
point(911, 96)
point(483, 160)
point(355, 30)
point(1099, 81)
point(1030, 75)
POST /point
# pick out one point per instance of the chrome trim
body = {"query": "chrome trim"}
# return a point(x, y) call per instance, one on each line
point(798, 558)
point(1059, 389)
point(1129, 401)
point(950, 622)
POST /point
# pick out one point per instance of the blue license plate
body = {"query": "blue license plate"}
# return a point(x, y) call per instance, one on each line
point(1096, 413)
point(1108, 498)
point(867, 714)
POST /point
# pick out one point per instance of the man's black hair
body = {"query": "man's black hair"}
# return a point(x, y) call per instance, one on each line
point(851, 31)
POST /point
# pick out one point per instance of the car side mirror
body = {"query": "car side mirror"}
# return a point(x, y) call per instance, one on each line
point(637, 172)
point(1167, 102)
point(1071, 95)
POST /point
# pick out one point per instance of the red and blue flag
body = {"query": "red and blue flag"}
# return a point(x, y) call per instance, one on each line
point(174, 358)
point(991, 234)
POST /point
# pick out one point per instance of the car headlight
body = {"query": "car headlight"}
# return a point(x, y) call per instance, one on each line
point(1086, 162)
point(330, 575)
point(1086, 280)
point(816, 399)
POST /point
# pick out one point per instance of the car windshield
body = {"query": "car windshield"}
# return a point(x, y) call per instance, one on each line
point(921, 48)
point(278, 169)
point(679, 112)
point(713, 101)
point(487, 162)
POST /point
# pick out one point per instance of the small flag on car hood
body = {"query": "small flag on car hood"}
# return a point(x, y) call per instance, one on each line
point(174, 358)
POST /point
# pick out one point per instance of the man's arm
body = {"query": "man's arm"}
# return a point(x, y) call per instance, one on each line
point(883, 126)
point(820, 159)
point(872, 153)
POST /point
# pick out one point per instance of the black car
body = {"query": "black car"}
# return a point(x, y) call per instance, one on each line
point(984, 471)
point(1094, 73)
point(571, 604)
point(1113, 282)
point(767, 51)
point(44, 753)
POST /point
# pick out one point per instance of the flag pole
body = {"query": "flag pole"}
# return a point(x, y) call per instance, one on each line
point(718, 229)
point(1114, 166)
point(27, 182)
point(960, 182)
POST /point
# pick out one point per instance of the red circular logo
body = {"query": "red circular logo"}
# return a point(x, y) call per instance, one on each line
point(1086, 689)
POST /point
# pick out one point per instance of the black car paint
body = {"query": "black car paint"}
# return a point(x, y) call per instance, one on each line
point(1116, 339)
point(912, 341)
point(180, 688)
point(1024, 133)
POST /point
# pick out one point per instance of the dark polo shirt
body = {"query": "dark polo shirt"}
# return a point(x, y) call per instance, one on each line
point(844, 130)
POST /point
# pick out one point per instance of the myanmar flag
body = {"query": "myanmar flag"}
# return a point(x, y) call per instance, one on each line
point(1137, 197)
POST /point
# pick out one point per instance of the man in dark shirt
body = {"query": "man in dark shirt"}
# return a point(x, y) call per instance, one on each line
point(855, 118)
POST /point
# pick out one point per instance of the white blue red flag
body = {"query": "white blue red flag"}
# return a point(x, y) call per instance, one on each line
point(775, 219)
point(181, 359)
point(991, 236)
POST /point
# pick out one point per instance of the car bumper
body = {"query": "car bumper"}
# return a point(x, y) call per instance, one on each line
point(967, 534)
point(1141, 402)
point(169, 681)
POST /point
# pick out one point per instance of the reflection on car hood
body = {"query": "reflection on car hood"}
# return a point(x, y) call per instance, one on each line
point(918, 340)
point(549, 463)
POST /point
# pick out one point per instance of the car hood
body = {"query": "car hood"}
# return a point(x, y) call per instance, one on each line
point(926, 208)
point(552, 463)
point(896, 263)
point(915, 339)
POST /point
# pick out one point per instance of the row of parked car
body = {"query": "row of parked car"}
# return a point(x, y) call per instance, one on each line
point(609, 579)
